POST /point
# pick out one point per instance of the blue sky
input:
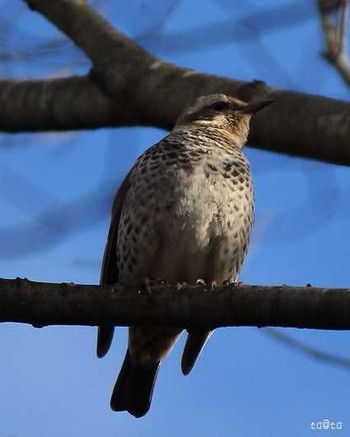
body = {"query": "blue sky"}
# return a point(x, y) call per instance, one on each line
point(246, 383)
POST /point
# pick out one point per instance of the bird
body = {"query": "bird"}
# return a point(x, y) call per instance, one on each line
point(184, 213)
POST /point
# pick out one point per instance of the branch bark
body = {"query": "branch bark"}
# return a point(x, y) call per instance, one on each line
point(41, 304)
point(129, 86)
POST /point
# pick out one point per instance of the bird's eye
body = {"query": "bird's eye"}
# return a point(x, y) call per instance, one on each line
point(219, 106)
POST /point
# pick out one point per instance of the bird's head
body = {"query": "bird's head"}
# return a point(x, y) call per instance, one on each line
point(221, 112)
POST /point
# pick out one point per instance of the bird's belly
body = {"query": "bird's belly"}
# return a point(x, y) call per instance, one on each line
point(197, 228)
point(203, 236)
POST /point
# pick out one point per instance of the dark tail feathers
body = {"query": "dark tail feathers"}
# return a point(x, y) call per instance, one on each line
point(134, 388)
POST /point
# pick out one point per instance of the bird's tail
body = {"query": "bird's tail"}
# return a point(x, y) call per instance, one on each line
point(134, 388)
point(194, 344)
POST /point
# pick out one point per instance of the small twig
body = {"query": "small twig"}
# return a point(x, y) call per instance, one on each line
point(307, 350)
point(334, 31)
point(343, 26)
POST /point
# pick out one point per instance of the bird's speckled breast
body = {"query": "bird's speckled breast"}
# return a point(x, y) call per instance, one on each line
point(188, 212)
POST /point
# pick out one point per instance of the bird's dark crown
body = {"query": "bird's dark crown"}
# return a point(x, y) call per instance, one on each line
point(223, 112)
point(209, 107)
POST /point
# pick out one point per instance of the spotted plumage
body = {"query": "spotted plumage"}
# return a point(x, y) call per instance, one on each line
point(184, 212)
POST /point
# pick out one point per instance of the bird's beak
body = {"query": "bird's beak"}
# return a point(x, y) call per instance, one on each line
point(253, 108)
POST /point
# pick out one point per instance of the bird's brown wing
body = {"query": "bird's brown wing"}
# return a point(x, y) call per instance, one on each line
point(109, 271)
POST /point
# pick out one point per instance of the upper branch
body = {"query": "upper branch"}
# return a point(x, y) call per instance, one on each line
point(183, 306)
point(131, 87)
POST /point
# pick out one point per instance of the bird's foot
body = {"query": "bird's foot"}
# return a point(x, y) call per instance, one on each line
point(180, 285)
point(212, 285)
point(147, 283)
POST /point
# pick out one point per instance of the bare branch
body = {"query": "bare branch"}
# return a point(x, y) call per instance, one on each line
point(77, 103)
point(56, 104)
point(335, 35)
point(183, 306)
point(142, 90)
point(103, 44)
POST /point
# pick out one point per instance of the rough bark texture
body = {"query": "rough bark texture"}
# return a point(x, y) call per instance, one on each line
point(128, 86)
point(43, 304)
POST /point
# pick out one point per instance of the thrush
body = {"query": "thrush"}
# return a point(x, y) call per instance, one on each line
point(183, 213)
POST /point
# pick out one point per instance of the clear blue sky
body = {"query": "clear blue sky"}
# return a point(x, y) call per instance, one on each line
point(245, 384)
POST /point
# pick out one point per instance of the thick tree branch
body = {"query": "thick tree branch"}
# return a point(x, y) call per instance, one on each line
point(142, 90)
point(184, 306)
point(57, 104)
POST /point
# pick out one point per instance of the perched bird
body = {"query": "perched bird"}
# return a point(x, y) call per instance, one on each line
point(183, 213)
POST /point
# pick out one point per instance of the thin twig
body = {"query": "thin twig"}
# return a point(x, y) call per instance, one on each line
point(308, 350)
point(334, 31)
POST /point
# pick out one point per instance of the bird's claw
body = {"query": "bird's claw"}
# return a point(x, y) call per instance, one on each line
point(147, 283)
point(212, 285)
